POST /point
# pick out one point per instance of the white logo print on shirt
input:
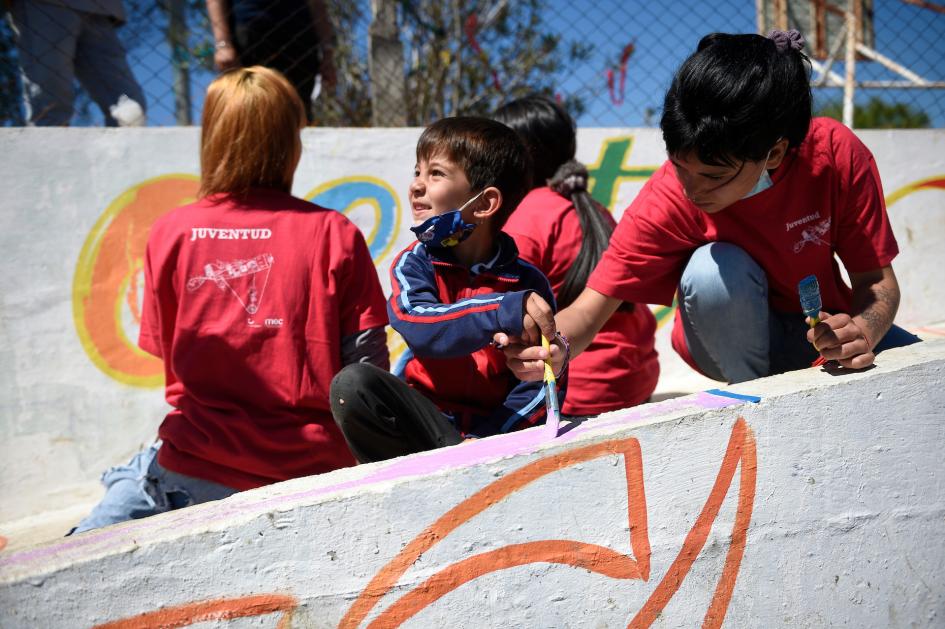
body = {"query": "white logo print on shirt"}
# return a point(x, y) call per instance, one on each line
point(802, 221)
point(813, 235)
point(239, 278)
point(216, 233)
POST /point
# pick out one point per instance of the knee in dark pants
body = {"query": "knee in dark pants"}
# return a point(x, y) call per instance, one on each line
point(355, 375)
point(344, 392)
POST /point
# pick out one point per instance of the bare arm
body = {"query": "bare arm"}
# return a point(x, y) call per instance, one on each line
point(850, 338)
point(224, 56)
point(583, 319)
point(875, 301)
point(580, 322)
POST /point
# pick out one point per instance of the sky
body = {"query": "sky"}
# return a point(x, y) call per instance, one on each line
point(665, 33)
point(662, 34)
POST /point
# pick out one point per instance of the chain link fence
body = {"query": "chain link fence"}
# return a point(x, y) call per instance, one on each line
point(411, 62)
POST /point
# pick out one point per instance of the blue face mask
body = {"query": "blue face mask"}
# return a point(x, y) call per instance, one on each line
point(445, 230)
point(764, 181)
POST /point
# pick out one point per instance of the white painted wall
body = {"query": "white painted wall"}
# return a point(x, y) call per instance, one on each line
point(63, 419)
point(834, 506)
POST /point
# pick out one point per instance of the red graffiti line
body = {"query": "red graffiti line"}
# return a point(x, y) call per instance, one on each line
point(740, 453)
point(741, 449)
point(205, 611)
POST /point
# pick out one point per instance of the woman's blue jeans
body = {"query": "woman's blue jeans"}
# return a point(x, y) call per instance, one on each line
point(731, 332)
point(143, 488)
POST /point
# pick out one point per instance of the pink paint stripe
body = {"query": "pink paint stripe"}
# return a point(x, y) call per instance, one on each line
point(472, 453)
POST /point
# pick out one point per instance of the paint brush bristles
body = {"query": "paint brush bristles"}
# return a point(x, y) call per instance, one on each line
point(552, 414)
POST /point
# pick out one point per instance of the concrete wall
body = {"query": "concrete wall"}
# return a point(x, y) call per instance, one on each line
point(820, 504)
point(78, 396)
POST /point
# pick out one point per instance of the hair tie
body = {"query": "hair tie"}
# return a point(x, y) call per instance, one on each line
point(570, 177)
point(787, 40)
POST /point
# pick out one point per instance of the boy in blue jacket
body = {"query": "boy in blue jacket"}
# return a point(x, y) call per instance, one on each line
point(453, 289)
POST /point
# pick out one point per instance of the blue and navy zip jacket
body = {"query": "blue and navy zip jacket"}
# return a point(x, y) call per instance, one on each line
point(448, 313)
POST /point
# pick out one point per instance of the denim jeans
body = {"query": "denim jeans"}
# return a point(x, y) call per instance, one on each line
point(731, 332)
point(143, 488)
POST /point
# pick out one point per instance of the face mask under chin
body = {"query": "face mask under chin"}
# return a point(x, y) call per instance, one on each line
point(445, 230)
point(764, 180)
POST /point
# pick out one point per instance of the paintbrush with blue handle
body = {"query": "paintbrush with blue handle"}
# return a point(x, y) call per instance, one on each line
point(809, 291)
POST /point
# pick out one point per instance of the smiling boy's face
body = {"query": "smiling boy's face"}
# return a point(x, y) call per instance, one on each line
point(439, 186)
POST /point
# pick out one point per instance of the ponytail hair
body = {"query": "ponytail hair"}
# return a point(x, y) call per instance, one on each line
point(570, 181)
point(737, 96)
point(550, 135)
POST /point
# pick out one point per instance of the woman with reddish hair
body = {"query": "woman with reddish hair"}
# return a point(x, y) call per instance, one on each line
point(254, 299)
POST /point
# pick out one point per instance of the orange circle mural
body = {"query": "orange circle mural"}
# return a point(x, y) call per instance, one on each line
point(109, 278)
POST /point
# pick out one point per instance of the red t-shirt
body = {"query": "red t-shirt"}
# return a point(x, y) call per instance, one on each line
point(620, 367)
point(247, 300)
point(826, 199)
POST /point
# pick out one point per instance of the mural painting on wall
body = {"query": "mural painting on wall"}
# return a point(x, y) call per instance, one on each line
point(740, 455)
point(351, 195)
point(109, 278)
point(930, 183)
point(611, 170)
point(212, 611)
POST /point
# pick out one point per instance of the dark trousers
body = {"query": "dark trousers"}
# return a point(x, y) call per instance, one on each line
point(284, 46)
point(382, 418)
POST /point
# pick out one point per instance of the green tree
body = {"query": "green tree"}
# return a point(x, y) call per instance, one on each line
point(466, 58)
point(879, 114)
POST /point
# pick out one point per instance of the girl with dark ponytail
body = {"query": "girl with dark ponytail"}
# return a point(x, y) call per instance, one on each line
point(755, 196)
point(563, 231)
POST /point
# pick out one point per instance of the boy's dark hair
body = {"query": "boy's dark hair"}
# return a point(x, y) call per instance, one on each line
point(735, 97)
point(489, 153)
point(550, 135)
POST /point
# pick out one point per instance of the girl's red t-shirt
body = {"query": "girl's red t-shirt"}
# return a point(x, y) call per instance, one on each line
point(246, 300)
point(826, 202)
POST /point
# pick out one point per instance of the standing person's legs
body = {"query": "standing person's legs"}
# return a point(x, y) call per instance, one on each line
point(382, 418)
point(723, 302)
point(46, 37)
point(144, 488)
point(300, 61)
point(101, 65)
point(285, 46)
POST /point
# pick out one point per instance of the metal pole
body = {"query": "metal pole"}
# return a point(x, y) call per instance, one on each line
point(849, 86)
